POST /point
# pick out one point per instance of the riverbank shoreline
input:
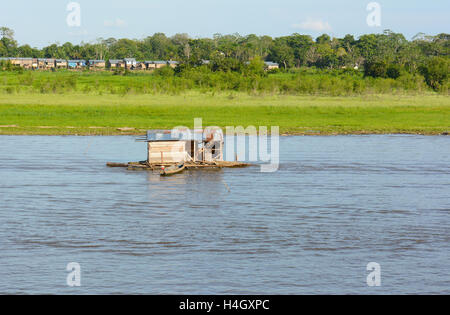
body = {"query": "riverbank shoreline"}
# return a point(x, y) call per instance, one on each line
point(106, 132)
point(111, 115)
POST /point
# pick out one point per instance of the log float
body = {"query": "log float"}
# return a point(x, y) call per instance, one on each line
point(190, 165)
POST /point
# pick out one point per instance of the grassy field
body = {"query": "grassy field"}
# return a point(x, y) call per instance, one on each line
point(93, 114)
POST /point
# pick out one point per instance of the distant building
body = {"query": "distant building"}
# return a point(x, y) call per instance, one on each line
point(271, 65)
point(76, 64)
point(157, 64)
point(51, 63)
point(61, 64)
point(26, 63)
point(130, 63)
point(141, 65)
point(46, 63)
point(97, 64)
point(116, 63)
point(35, 63)
point(150, 65)
point(160, 64)
point(173, 64)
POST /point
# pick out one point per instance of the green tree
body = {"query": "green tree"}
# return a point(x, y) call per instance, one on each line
point(323, 39)
point(436, 72)
point(282, 53)
point(393, 71)
point(300, 45)
point(256, 67)
point(375, 69)
point(8, 46)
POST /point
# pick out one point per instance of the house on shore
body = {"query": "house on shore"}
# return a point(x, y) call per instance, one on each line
point(97, 64)
point(116, 63)
point(26, 63)
point(130, 63)
point(268, 65)
point(46, 63)
point(141, 65)
point(76, 64)
point(61, 64)
point(271, 65)
point(150, 65)
point(159, 64)
point(34, 63)
point(173, 64)
point(51, 63)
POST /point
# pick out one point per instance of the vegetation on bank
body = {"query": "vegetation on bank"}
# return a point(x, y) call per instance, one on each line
point(254, 81)
point(90, 114)
point(293, 51)
point(388, 56)
point(378, 83)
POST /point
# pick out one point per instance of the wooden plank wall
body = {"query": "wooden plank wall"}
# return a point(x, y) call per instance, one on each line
point(166, 152)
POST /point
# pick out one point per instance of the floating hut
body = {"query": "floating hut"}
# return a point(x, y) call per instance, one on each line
point(185, 146)
point(194, 149)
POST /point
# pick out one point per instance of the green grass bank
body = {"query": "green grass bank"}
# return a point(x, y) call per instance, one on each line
point(77, 113)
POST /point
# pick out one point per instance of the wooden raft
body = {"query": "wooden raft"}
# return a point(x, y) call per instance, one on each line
point(189, 165)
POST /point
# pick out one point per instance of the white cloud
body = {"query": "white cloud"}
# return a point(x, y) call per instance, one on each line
point(314, 25)
point(115, 23)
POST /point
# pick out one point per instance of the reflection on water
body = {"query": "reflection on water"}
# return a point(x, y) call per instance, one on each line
point(336, 204)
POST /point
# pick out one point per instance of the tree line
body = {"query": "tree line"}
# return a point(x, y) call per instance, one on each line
point(379, 55)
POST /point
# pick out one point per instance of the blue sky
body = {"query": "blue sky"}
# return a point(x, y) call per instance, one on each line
point(43, 22)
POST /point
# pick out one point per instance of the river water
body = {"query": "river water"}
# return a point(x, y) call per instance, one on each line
point(335, 205)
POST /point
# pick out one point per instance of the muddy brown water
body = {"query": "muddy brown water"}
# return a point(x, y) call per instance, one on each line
point(335, 205)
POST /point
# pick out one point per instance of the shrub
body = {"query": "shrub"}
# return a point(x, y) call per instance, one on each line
point(165, 72)
point(375, 69)
point(435, 72)
point(393, 72)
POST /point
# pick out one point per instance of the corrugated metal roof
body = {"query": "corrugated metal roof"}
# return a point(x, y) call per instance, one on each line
point(19, 58)
point(182, 135)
